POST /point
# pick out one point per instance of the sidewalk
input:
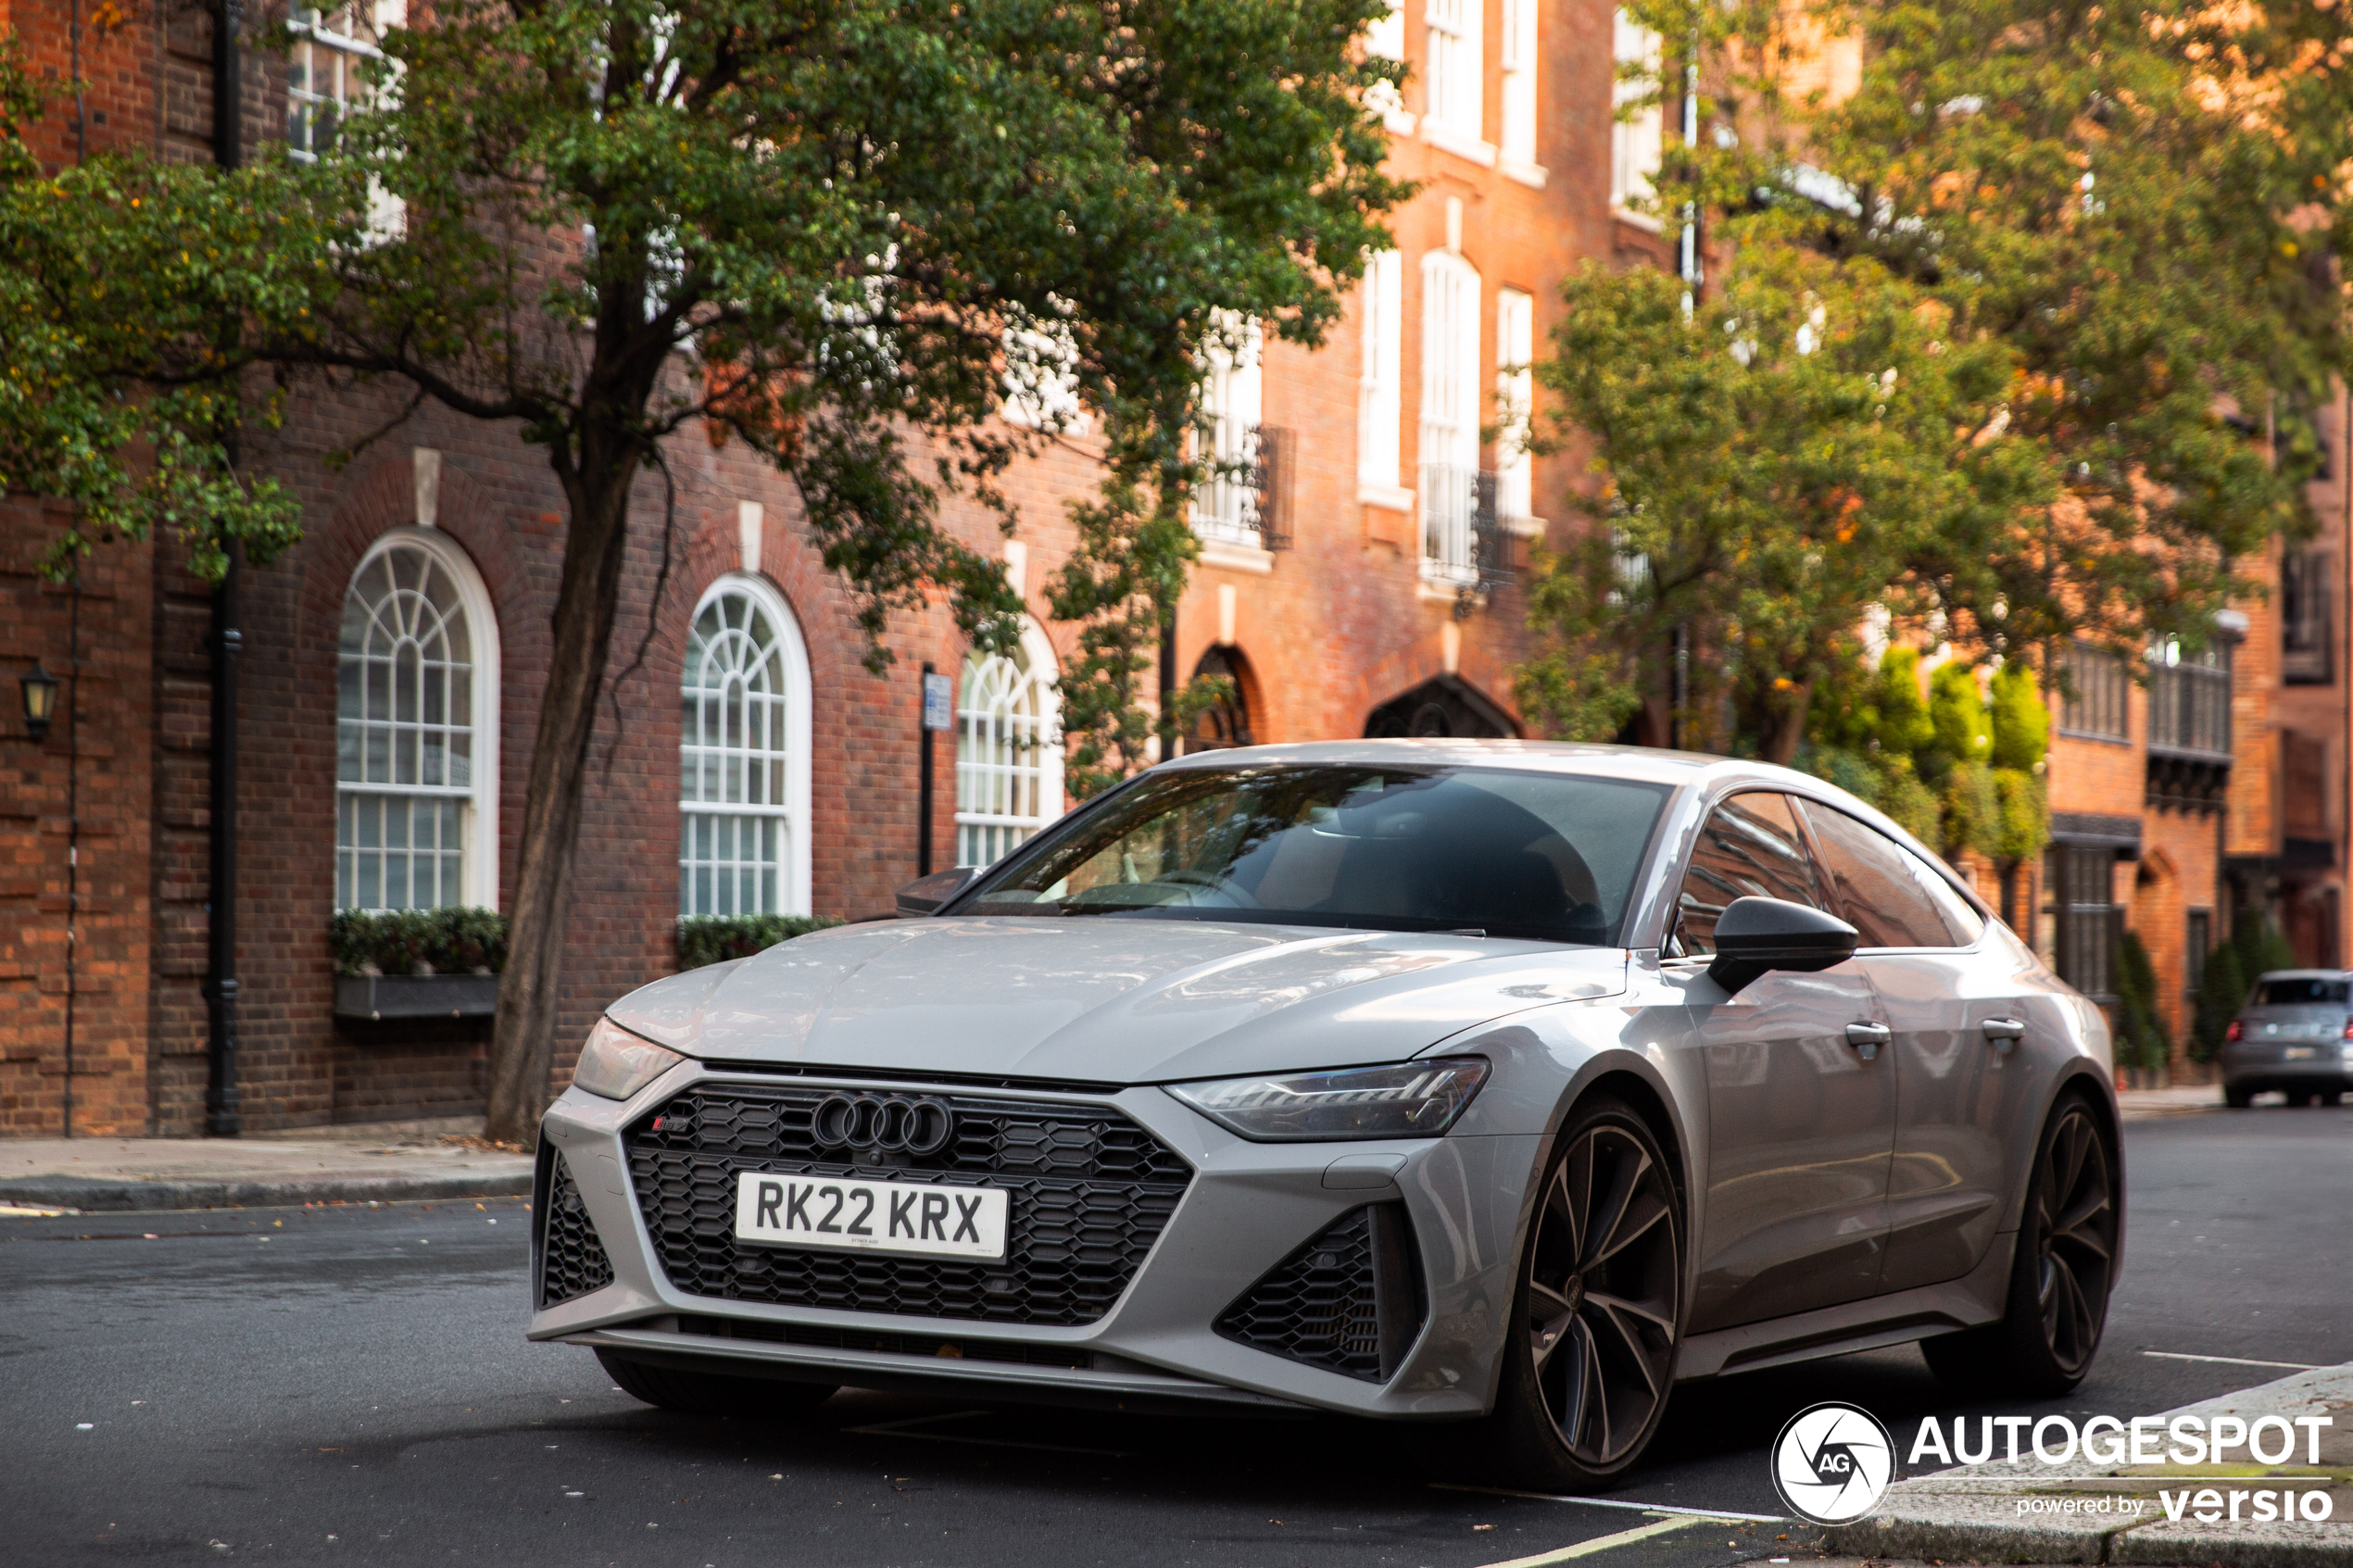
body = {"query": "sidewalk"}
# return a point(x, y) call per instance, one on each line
point(2141, 1105)
point(2000, 1512)
point(382, 1162)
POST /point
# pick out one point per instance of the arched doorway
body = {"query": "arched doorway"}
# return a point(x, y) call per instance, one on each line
point(1227, 721)
point(1446, 707)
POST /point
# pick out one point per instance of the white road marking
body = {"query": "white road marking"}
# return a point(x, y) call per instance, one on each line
point(1600, 1543)
point(2229, 1361)
point(1614, 1502)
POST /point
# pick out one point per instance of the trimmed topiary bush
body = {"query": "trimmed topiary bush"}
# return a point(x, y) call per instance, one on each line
point(708, 939)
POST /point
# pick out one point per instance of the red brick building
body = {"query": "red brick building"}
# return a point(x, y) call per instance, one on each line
point(1360, 583)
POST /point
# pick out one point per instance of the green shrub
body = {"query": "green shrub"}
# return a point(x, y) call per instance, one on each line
point(2219, 995)
point(2021, 724)
point(2141, 1039)
point(455, 940)
point(708, 939)
point(2261, 947)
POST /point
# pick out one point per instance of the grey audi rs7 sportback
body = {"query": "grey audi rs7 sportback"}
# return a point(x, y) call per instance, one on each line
point(1495, 1083)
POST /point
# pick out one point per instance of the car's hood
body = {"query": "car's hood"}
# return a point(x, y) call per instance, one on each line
point(1105, 999)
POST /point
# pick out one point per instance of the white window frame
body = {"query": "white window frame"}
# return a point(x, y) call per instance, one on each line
point(1380, 379)
point(1516, 144)
point(1225, 508)
point(1385, 39)
point(792, 813)
point(985, 736)
point(1637, 145)
point(1448, 452)
point(478, 841)
point(1514, 403)
point(1454, 89)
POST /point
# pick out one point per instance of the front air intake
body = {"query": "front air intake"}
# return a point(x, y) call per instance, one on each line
point(1349, 1301)
point(572, 1256)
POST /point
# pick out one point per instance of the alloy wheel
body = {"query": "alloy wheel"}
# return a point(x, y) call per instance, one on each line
point(1603, 1282)
point(2075, 1238)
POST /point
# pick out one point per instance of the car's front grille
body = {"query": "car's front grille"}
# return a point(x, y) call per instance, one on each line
point(572, 1255)
point(929, 1346)
point(1348, 1302)
point(1090, 1191)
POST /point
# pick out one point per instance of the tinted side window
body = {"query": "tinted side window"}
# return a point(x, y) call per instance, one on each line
point(1879, 892)
point(1750, 847)
point(1960, 915)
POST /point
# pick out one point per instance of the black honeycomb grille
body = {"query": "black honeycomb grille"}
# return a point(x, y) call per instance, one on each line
point(572, 1255)
point(1348, 1302)
point(1090, 1190)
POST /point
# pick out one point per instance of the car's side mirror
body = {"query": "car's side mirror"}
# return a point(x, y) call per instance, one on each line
point(926, 894)
point(1756, 935)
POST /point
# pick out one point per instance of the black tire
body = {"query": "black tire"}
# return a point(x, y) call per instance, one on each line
point(2061, 1276)
point(2332, 1097)
point(1612, 1301)
point(713, 1393)
point(2238, 1099)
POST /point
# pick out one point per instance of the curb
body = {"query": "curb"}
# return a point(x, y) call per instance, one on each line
point(103, 1197)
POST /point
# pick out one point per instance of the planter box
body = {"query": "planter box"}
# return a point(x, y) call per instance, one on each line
point(416, 995)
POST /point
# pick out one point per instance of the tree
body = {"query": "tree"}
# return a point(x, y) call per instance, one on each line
point(837, 232)
point(127, 290)
point(2110, 204)
point(1774, 459)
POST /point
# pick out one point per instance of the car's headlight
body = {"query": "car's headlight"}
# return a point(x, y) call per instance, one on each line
point(616, 1064)
point(1412, 1099)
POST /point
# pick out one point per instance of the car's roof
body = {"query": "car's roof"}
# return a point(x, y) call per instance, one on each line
point(2303, 974)
point(1677, 768)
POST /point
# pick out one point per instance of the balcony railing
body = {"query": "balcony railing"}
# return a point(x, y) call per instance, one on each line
point(2189, 707)
point(1464, 543)
point(1245, 502)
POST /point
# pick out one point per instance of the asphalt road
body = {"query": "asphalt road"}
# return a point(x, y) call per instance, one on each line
point(352, 1386)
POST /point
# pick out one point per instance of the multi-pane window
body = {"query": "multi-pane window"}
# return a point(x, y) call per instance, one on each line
point(325, 69)
point(1519, 80)
point(1449, 476)
point(1457, 66)
point(1008, 765)
point(2084, 898)
point(740, 773)
point(409, 769)
point(2307, 637)
point(2197, 944)
point(1226, 502)
point(2095, 699)
point(1515, 402)
point(1378, 397)
point(1638, 138)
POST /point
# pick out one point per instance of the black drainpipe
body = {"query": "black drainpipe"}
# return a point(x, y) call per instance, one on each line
point(222, 1119)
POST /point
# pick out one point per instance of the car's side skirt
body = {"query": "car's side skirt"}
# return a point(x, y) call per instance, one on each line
point(1893, 1318)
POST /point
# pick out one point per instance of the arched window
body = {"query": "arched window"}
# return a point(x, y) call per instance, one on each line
point(416, 731)
point(743, 755)
point(1009, 759)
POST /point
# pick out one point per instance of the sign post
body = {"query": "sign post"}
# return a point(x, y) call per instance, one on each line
point(940, 713)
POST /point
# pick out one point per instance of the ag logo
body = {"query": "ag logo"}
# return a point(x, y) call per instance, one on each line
point(1832, 1462)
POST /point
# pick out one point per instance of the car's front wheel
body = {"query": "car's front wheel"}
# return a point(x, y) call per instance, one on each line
point(1590, 1354)
point(710, 1393)
point(2061, 1274)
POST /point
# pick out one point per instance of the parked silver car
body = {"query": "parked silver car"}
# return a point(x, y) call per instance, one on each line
point(2293, 1035)
point(1496, 1084)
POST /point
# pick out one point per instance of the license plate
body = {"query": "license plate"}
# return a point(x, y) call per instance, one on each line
point(840, 1214)
point(2299, 1053)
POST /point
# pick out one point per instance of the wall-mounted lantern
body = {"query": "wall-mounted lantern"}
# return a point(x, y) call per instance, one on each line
point(40, 701)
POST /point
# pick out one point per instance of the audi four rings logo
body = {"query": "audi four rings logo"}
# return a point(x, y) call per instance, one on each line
point(894, 1124)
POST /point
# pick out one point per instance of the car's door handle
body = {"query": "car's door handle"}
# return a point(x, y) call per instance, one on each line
point(1867, 1038)
point(2004, 1033)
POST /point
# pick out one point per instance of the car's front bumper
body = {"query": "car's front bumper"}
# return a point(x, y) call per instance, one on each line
point(1247, 1208)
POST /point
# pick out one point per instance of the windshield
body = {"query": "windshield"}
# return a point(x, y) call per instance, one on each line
point(2300, 992)
point(1545, 856)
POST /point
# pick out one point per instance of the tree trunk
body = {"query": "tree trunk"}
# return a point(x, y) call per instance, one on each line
point(2009, 868)
point(523, 1040)
point(1785, 726)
